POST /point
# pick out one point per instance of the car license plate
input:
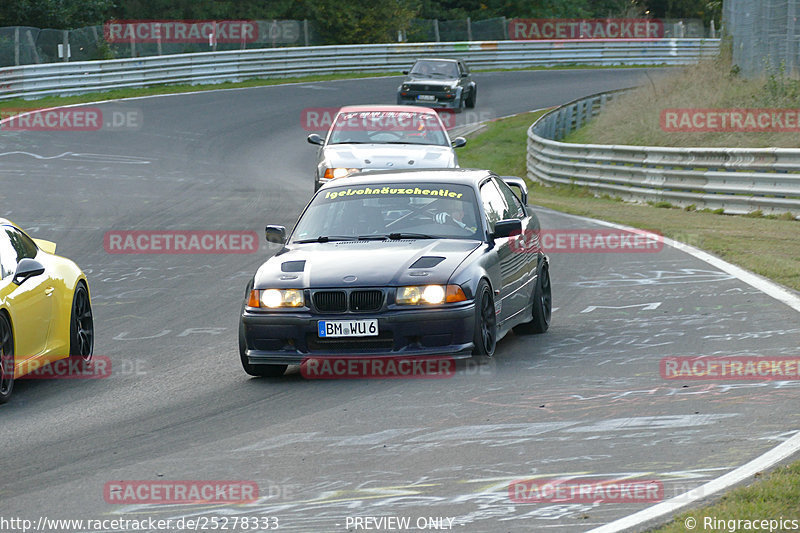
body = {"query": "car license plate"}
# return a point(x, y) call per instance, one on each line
point(348, 328)
point(427, 97)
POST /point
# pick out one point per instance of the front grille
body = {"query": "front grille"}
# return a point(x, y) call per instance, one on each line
point(426, 88)
point(366, 300)
point(330, 301)
point(384, 342)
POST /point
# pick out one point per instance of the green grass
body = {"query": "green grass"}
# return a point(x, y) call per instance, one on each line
point(777, 496)
point(768, 246)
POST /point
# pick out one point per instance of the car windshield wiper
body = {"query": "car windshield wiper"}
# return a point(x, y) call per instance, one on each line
point(353, 142)
point(441, 75)
point(421, 74)
point(406, 235)
point(327, 238)
point(411, 142)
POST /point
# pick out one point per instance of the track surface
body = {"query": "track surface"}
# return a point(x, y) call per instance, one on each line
point(586, 398)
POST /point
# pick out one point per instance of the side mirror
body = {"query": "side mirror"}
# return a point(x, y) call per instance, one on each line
point(276, 234)
point(464, 74)
point(458, 142)
point(315, 139)
point(519, 184)
point(27, 268)
point(507, 228)
point(405, 72)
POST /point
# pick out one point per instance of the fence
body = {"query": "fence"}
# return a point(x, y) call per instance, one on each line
point(765, 33)
point(32, 81)
point(21, 45)
point(737, 180)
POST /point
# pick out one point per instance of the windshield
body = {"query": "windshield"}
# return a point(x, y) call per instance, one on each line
point(396, 211)
point(387, 127)
point(435, 69)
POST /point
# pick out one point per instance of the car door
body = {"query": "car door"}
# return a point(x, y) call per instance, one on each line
point(30, 303)
point(511, 264)
point(464, 79)
point(530, 228)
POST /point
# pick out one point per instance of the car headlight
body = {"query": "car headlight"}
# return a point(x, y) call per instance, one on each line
point(332, 173)
point(429, 294)
point(405, 87)
point(275, 298)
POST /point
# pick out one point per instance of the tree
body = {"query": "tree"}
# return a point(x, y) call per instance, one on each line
point(361, 21)
point(56, 14)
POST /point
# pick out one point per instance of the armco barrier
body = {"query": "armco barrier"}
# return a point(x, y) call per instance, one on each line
point(33, 81)
point(737, 180)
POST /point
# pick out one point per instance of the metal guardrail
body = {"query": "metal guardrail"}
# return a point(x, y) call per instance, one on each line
point(737, 180)
point(33, 81)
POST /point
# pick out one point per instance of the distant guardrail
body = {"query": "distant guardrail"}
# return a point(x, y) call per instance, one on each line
point(737, 180)
point(33, 81)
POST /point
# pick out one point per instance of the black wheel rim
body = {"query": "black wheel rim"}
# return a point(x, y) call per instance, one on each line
point(546, 300)
point(6, 357)
point(83, 325)
point(488, 323)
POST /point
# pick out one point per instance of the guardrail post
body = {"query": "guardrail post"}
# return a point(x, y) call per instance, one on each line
point(16, 45)
point(65, 45)
point(305, 31)
point(436, 30)
point(469, 29)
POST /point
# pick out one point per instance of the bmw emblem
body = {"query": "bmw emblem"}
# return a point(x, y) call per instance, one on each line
point(349, 279)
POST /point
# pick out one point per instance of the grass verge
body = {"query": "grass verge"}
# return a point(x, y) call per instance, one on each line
point(768, 246)
point(635, 118)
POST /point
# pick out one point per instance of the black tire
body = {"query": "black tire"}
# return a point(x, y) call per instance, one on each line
point(542, 302)
point(6, 359)
point(81, 325)
point(262, 371)
point(485, 332)
point(473, 98)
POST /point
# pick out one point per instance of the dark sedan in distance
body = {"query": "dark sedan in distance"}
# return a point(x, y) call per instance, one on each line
point(438, 83)
point(398, 263)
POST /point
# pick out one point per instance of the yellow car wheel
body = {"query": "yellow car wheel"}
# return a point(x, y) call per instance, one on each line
point(81, 338)
point(6, 359)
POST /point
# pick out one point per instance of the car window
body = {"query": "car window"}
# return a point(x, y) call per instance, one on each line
point(464, 68)
point(438, 69)
point(348, 211)
point(515, 209)
point(493, 203)
point(14, 246)
point(387, 127)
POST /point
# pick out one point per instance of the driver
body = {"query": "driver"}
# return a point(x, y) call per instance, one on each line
point(453, 213)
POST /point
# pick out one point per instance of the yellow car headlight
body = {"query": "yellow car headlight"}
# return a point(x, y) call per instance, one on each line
point(333, 173)
point(429, 294)
point(275, 298)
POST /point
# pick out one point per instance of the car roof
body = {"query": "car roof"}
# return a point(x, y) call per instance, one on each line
point(396, 108)
point(436, 59)
point(463, 176)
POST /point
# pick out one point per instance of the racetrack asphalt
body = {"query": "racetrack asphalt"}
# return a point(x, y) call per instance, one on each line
point(586, 399)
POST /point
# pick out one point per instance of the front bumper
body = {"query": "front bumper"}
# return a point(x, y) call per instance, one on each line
point(442, 100)
point(289, 338)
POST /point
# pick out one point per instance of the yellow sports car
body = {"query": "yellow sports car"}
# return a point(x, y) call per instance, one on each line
point(45, 307)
